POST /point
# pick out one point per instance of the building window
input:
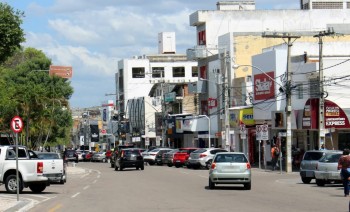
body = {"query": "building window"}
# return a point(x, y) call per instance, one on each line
point(327, 5)
point(204, 107)
point(314, 88)
point(178, 71)
point(300, 91)
point(138, 72)
point(203, 72)
point(194, 71)
point(201, 38)
point(157, 72)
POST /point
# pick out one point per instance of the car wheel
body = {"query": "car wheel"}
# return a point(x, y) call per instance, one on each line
point(247, 186)
point(137, 168)
point(151, 163)
point(306, 180)
point(115, 167)
point(177, 166)
point(320, 182)
point(11, 184)
point(211, 184)
point(170, 165)
point(37, 188)
point(112, 165)
point(208, 164)
point(188, 166)
point(142, 167)
point(121, 168)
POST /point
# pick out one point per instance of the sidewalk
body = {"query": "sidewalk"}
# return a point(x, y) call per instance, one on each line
point(9, 203)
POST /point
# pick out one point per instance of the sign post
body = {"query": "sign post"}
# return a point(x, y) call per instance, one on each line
point(17, 126)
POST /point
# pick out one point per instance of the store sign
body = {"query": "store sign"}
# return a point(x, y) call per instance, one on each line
point(334, 116)
point(264, 86)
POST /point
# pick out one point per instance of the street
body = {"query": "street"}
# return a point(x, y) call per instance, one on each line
point(161, 188)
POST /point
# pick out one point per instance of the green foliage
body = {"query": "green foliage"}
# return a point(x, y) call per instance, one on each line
point(26, 89)
point(11, 33)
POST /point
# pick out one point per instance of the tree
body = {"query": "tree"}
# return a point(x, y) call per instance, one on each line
point(27, 89)
point(11, 33)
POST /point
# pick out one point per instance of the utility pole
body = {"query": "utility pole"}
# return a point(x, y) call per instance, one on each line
point(321, 126)
point(288, 92)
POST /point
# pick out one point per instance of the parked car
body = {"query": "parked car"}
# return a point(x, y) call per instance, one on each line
point(150, 156)
point(327, 170)
point(70, 155)
point(99, 157)
point(309, 163)
point(88, 156)
point(203, 157)
point(129, 157)
point(181, 157)
point(114, 154)
point(59, 177)
point(160, 156)
point(230, 168)
point(168, 157)
point(80, 155)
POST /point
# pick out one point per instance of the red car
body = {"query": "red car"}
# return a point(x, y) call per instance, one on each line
point(181, 157)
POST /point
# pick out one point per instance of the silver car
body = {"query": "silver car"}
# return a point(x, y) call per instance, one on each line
point(327, 169)
point(230, 168)
point(150, 156)
point(99, 157)
point(203, 157)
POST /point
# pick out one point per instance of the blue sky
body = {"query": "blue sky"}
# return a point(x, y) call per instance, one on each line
point(93, 35)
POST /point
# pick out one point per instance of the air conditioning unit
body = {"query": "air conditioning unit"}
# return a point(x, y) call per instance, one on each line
point(198, 52)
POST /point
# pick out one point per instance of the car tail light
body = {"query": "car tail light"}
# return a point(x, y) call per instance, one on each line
point(213, 166)
point(122, 155)
point(248, 166)
point(202, 155)
point(40, 168)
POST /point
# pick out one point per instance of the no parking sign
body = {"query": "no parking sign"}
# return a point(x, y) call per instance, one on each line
point(17, 124)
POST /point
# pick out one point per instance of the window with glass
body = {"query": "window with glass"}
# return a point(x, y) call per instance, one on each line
point(157, 72)
point(178, 71)
point(194, 71)
point(138, 72)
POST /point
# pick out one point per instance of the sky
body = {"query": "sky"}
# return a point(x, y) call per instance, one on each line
point(93, 35)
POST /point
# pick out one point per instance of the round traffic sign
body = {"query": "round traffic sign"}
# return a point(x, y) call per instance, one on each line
point(16, 124)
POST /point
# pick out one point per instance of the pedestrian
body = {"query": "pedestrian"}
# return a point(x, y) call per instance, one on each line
point(322, 147)
point(344, 164)
point(274, 156)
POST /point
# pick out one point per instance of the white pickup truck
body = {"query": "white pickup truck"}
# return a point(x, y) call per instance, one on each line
point(33, 172)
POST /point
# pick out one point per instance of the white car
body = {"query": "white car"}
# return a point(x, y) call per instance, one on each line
point(150, 156)
point(203, 157)
point(230, 168)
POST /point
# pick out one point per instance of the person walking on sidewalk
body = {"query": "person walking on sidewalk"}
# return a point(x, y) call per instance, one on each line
point(275, 152)
point(344, 164)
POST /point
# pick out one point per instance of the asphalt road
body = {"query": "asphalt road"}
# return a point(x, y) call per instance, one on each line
point(161, 188)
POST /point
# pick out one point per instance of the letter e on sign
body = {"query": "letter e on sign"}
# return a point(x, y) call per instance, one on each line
point(16, 124)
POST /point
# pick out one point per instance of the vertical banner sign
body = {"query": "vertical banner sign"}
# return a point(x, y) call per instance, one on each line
point(258, 132)
point(243, 131)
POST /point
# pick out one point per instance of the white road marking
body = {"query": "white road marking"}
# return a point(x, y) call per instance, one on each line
point(86, 187)
point(94, 181)
point(75, 195)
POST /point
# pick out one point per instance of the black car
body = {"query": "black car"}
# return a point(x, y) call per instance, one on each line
point(160, 156)
point(70, 155)
point(114, 154)
point(129, 157)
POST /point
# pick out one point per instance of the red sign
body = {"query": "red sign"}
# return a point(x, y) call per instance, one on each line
point(61, 71)
point(212, 103)
point(103, 131)
point(16, 124)
point(264, 86)
point(334, 116)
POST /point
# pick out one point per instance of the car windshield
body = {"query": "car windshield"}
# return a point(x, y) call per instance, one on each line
point(313, 155)
point(230, 158)
point(331, 158)
point(200, 151)
point(130, 152)
point(48, 156)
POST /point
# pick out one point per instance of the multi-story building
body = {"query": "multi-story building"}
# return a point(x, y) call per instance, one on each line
point(234, 34)
point(324, 4)
point(138, 76)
